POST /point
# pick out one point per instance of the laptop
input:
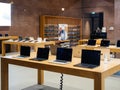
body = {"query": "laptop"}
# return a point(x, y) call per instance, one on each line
point(20, 38)
point(105, 43)
point(105, 52)
point(118, 43)
point(6, 35)
point(89, 59)
point(42, 54)
point(63, 56)
point(24, 52)
point(91, 42)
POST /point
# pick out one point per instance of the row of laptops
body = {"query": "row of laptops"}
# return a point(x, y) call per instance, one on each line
point(3, 35)
point(89, 58)
point(104, 43)
point(43, 53)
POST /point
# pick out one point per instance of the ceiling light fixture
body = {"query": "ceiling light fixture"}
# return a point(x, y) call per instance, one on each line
point(63, 9)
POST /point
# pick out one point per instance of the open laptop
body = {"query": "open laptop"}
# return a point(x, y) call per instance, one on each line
point(89, 59)
point(91, 42)
point(105, 52)
point(105, 43)
point(118, 43)
point(42, 54)
point(20, 38)
point(24, 52)
point(63, 56)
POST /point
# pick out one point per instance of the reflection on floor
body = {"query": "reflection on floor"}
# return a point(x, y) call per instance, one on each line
point(22, 77)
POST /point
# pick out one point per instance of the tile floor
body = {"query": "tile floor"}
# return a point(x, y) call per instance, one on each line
point(22, 77)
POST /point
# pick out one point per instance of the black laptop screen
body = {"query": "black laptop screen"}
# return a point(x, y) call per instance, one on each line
point(25, 51)
point(105, 43)
point(91, 42)
point(64, 54)
point(90, 57)
point(43, 53)
point(118, 43)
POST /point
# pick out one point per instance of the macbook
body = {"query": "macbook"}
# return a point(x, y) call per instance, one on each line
point(105, 52)
point(91, 42)
point(118, 43)
point(105, 43)
point(24, 51)
point(20, 38)
point(1, 35)
point(63, 56)
point(6, 35)
point(90, 58)
point(42, 54)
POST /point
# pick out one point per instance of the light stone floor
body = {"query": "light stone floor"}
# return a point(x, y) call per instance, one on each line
point(22, 77)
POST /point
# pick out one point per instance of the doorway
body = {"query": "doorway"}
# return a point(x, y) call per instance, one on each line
point(95, 24)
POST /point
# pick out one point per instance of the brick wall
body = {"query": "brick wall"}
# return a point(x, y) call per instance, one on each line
point(105, 6)
point(117, 20)
point(25, 14)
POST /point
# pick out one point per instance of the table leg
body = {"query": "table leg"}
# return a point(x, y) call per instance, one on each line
point(35, 48)
point(40, 77)
point(3, 49)
point(4, 75)
point(99, 83)
point(18, 48)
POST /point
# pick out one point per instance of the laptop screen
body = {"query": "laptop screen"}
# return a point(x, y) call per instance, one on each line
point(90, 57)
point(105, 43)
point(118, 43)
point(43, 53)
point(91, 42)
point(25, 51)
point(20, 38)
point(64, 54)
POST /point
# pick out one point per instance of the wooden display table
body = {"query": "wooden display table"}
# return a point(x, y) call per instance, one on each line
point(6, 38)
point(61, 41)
point(98, 74)
point(35, 45)
point(83, 41)
point(112, 48)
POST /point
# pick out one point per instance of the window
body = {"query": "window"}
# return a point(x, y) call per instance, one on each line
point(5, 14)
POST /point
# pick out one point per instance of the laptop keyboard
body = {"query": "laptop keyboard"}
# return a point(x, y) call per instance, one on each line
point(21, 56)
point(39, 59)
point(61, 61)
point(86, 65)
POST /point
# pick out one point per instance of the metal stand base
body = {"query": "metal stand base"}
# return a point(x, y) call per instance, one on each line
point(40, 87)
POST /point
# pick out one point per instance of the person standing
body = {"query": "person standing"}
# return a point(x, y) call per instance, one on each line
point(62, 34)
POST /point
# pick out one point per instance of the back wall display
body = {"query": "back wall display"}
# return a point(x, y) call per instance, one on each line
point(61, 28)
point(63, 31)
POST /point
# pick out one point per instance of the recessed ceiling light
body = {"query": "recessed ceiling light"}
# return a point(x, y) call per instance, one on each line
point(63, 9)
point(92, 12)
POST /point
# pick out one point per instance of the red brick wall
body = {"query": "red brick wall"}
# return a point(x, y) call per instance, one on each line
point(105, 6)
point(117, 20)
point(25, 14)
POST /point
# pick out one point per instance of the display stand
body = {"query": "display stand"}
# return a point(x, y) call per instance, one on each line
point(49, 28)
point(40, 87)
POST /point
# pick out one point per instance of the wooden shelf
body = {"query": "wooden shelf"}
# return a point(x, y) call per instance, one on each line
point(49, 27)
